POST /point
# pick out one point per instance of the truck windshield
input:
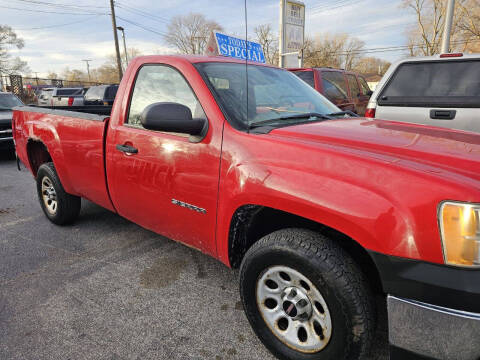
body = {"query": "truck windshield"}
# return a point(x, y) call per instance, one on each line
point(273, 95)
point(9, 101)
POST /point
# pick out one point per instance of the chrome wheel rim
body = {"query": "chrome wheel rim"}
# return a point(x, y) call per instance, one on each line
point(294, 309)
point(49, 196)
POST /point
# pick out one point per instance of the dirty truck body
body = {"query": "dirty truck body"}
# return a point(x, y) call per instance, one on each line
point(320, 215)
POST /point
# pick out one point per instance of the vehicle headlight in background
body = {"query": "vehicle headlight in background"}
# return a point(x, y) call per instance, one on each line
point(460, 232)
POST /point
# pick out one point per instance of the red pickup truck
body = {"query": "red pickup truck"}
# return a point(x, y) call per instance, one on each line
point(320, 212)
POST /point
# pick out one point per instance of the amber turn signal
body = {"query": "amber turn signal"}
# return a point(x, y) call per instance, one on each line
point(460, 231)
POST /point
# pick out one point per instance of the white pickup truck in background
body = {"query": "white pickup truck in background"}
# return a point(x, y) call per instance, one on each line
point(441, 90)
point(61, 97)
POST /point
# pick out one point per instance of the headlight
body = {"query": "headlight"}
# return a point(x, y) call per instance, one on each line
point(460, 232)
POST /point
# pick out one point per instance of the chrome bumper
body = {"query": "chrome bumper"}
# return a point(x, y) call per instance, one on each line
point(433, 331)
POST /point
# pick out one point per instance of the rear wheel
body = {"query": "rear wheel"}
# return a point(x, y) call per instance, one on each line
point(59, 207)
point(305, 297)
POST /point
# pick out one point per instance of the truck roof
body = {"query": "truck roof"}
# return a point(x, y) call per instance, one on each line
point(197, 59)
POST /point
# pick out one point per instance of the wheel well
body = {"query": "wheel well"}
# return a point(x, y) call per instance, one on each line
point(37, 155)
point(252, 222)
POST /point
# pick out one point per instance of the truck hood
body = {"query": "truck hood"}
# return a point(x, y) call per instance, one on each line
point(438, 148)
point(6, 117)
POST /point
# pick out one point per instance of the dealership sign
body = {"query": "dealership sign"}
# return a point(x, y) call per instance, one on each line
point(294, 23)
point(225, 45)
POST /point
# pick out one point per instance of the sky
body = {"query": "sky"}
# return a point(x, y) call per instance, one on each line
point(60, 34)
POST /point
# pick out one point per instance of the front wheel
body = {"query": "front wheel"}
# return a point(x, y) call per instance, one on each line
point(305, 297)
point(60, 207)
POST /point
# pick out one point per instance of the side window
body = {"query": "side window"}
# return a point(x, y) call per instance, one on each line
point(336, 78)
point(306, 76)
point(354, 89)
point(160, 83)
point(364, 85)
point(332, 92)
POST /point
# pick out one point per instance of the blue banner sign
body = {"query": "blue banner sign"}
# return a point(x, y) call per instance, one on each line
point(239, 49)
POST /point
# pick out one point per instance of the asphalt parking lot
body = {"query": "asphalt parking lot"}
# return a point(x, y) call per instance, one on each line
point(105, 288)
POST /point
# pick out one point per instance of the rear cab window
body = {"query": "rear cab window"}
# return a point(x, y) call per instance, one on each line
point(307, 76)
point(354, 89)
point(68, 92)
point(364, 86)
point(334, 86)
point(454, 83)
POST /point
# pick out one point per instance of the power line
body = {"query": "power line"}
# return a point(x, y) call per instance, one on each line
point(141, 13)
point(48, 12)
point(59, 5)
point(141, 26)
point(338, 5)
point(59, 25)
point(391, 48)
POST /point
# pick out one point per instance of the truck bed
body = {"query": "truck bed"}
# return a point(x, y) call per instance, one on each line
point(89, 109)
point(75, 142)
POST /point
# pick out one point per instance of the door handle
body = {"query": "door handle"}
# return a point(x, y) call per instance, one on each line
point(127, 149)
point(443, 114)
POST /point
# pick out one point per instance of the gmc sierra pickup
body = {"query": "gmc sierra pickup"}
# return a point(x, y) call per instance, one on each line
point(319, 211)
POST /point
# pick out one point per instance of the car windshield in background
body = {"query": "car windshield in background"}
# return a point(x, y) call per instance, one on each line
point(435, 81)
point(95, 92)
point(9, 101)
point(274, 95)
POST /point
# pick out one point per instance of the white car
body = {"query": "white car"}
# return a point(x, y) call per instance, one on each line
point(441, 90)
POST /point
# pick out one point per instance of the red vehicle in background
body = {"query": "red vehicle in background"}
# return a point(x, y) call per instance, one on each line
point(322, 214)
point(346, 89)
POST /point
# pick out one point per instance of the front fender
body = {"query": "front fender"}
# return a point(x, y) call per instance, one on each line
point(386, 205)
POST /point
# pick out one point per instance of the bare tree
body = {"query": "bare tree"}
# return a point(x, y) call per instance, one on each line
point(372, 66)
point(335, 50)
point(8, 40)
point(269, 42)
point(469, 24)
point(189, 34)
point(426, 36)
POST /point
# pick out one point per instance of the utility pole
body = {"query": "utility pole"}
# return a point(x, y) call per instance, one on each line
point(88, 68)
point(115, 37)
point(448, 27)
point(124, 45)
point(281, 37)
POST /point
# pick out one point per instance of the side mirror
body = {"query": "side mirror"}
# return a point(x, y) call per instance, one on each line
point(172, 117)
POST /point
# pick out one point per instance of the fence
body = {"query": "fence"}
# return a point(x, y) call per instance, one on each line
point(25, 87)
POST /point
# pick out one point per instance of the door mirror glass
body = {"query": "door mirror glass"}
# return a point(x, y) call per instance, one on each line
point(172, 117)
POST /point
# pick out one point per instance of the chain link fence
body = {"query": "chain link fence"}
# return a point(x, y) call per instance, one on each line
point(27, 88)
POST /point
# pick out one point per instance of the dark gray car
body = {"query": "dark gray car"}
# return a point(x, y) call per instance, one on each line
point(7, 102)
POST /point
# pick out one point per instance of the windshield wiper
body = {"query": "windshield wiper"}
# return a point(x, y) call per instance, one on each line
point(290, 117)
point(341, 113)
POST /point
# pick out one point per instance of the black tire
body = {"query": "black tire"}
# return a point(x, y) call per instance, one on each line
point(334, 273)
point(67, 206)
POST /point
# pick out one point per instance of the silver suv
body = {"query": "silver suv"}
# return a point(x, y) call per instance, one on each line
point(441, 90)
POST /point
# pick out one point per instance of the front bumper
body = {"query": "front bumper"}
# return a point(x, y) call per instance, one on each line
point(433, 309)
point(423, 331)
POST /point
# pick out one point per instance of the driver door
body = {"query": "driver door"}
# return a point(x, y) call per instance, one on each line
point(168, 184)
